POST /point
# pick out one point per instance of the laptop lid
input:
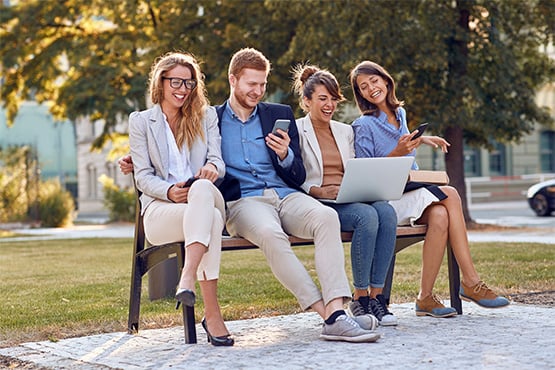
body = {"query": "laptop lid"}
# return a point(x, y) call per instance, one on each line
point(372, 179)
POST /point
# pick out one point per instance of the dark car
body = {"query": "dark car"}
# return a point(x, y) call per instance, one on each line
point(541, 197)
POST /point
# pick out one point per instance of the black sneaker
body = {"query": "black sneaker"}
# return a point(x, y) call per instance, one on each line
point(378, 308)
point(358, 311)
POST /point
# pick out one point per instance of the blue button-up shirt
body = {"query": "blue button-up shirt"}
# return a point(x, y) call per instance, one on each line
point(247, 158)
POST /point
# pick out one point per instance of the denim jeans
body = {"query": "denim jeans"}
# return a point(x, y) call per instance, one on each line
point(374, 227)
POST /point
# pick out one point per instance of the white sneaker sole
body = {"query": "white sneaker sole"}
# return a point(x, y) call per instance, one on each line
point(365, 338)
point(388, 323)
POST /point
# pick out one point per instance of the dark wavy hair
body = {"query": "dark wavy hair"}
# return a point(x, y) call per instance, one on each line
point(370, 68)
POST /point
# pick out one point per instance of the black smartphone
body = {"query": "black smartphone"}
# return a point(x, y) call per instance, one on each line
point(282, 124)
point(189, 182)
point(420, 130)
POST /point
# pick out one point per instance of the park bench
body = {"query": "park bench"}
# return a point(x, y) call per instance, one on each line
point(146, 256)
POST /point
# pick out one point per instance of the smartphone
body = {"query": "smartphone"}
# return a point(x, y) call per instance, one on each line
point(189, 182)
point(420, 130)
point(281, 124)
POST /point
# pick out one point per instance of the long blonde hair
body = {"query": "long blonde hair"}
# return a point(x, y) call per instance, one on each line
point(189, 125)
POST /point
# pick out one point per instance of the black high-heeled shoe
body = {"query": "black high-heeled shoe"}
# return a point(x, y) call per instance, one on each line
point(185, 296)
point(224, 340)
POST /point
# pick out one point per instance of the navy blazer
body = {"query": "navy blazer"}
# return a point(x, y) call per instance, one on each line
point(295, 175)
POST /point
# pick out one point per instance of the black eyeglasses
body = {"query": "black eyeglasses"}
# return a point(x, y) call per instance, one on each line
point(176, 83)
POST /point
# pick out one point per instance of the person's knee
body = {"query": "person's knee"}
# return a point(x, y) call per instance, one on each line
point(387, 214)
point(202, 188)
point(438, 217)
point(452, 193)
point(368, 218)
point(325, 215)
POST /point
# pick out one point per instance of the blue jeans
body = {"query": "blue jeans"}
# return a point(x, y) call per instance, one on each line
point(374, 227)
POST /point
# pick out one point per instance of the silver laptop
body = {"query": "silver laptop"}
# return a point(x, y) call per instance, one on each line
point(372, 179)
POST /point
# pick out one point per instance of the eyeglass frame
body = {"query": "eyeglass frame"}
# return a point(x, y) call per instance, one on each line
point(182, 81)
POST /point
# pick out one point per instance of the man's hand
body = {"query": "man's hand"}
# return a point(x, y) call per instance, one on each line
point(125, 164)
point(278, 144)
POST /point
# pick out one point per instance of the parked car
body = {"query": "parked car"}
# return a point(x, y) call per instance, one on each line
point(541, 197)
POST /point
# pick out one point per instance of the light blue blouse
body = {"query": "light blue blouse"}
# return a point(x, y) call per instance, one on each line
point(375, 137)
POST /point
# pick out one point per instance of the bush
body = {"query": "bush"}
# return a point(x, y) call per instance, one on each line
point(119, 201)
point(19, 182)
point(56, 205)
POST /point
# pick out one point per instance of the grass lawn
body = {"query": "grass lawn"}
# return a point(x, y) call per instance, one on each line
point(66, 288)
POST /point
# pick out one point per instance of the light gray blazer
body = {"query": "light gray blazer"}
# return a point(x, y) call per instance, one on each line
point(150, 153)
point(312, 153)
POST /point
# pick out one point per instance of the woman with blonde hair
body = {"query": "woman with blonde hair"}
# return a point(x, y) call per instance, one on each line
point(175, 146)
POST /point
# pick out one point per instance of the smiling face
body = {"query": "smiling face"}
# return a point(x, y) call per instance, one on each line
point(248, 88)
point(321, 106)
point(373, 88)
point(175, 98)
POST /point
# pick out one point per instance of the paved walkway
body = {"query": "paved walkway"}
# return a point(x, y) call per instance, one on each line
point(515, 337)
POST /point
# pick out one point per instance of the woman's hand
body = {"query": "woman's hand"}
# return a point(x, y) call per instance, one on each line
point(436, 141)
point(208, 172)
point(326, 192)
point(179, 193)
point(406, 145)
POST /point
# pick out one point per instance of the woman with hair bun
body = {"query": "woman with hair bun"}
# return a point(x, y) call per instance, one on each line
point(326, 145)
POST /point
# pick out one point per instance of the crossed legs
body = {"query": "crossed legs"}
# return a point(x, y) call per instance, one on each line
point(445, 222)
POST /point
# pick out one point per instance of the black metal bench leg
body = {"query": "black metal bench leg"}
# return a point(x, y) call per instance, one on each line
point(189, 324)
point(389, 280)
point(134, 300)
point(454, 281)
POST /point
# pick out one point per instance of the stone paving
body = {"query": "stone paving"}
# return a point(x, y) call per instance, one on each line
point(514, 337)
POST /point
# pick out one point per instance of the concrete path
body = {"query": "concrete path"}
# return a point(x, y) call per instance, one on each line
point(515, 337)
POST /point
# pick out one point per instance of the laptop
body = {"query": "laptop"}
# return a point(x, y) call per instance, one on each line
point(372, 179)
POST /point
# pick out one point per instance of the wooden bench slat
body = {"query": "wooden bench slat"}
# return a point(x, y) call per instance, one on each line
point(235, 243)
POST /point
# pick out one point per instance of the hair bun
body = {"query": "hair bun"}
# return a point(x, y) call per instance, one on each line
point(307, 72)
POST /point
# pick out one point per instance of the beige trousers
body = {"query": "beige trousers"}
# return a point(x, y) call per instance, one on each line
point(266, 220)
point(200, 220)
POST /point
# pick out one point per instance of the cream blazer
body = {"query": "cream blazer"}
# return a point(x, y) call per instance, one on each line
point(312, 153)
point(150, 153)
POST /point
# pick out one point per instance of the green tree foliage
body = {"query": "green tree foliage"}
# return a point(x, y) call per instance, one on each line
point(470, 67)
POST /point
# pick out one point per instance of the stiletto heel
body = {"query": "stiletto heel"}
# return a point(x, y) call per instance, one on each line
point(224, 340)
point(185, 296)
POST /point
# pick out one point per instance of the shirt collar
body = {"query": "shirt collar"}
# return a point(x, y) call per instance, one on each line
point(230, 111)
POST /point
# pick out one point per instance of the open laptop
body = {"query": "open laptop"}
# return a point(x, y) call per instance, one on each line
point(372, 179)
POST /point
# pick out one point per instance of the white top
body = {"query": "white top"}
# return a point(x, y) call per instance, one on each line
point(179, 168)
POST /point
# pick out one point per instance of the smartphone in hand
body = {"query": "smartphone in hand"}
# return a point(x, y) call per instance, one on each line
point(420, 130)
point(189, 182)
point(282, 124)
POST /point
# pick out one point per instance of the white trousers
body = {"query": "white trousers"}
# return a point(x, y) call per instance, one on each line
point(266, 220)
point(200, 220)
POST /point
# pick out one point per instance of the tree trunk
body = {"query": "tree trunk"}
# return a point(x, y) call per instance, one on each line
point(458, 62)
point(454, 162)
